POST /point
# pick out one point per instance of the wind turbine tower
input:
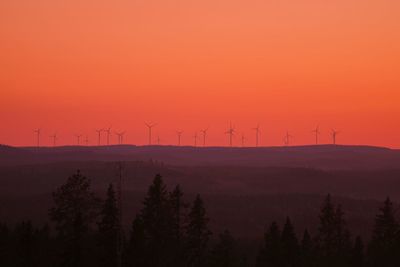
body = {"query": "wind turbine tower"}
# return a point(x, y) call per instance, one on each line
point(243, 139)
point(99, 135)
point(286, 139)
point(231, 132)
point(78, 139)
point(195, 138)
point(108, 131)
point(37, 131)
point(54, 137)
point(317, 133)
point(204, 132)
point(334, 134)
point(257, 129)
point(150, 126)
point(179, 133)
point(87, 140)
point(120, 137)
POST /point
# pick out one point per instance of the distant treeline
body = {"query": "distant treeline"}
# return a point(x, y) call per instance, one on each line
point(86, 231)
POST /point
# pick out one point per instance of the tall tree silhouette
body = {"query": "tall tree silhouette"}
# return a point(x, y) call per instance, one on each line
point(157, 221)
point(306, 251)
point(290, 245)
point(197, 234)
point(333, 240)
point(224, 253)
point(177, 207)
point(357, 254)
point(135, 253)
point(109, 230)
point(271, 253)
point(384, 246)
point(75, 208)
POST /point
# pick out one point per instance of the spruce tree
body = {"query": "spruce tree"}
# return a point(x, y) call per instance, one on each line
point(290, 245)
point(333, 239)
point(306, 251)
point(109, 231)
point(357, 253)
point(197, 234)
point(75, 208)
point(177, 207)
point(383, 249)
point(271, 253)
point(136, 253)
point(224, 253)
point(157, 221)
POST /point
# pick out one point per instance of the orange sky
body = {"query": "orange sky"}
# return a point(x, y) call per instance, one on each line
point(73, 66)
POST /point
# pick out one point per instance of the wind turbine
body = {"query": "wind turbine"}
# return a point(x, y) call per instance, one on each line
point(317, 133)
point(179, 133)
point(195, 138)
point(54, 137)
point(37, 131)
point(257, 129)
point(334, 134)
point(158, 140)
point(120, 137)
point(99, 135)
point(78, 139)
point(108, 131)
point(150, 126)
point(87, 140)
point(243, 139)
point(231, 132)
point(204, 132)
point(286, 139)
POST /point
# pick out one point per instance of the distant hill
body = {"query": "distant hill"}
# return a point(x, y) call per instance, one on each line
point(321, 156)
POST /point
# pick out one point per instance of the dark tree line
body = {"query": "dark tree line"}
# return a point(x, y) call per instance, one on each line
point(167, 231)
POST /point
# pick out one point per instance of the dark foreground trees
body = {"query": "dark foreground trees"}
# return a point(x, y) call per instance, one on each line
point(169, 232)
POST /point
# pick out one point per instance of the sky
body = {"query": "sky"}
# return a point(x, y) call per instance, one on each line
point(70, 67)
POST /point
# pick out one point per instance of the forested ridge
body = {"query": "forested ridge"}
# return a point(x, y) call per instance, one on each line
point(84, 230)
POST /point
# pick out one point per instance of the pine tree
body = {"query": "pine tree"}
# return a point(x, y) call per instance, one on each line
point(197, 234)
point(306, 251)
point(357, 253)
point(224, 254)
point(135, 253)
point(109, 231)
point(157, 221)
point(290, 245)
point(333, 238)
point(383, 249)
point(177, 207)
point(75, 208)
point(271, 253)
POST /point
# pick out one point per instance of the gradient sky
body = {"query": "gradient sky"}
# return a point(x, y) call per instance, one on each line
point(73, 66)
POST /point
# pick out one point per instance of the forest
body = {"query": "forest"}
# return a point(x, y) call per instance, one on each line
point(85, 230)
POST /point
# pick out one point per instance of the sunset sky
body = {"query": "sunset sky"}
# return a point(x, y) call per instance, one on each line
point(73, 66)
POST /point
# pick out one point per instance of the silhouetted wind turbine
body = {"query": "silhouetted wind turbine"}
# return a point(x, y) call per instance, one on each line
point(195, 139)
point(99, 135)
point(108, 131)
point(179, 133)
point(120, 137)
point(150, 126)
point(37, 131)
point(78, 139)
point(317, 133)
point(204, 132)
point(54, 137)
point(243, 139)
point(286, 139)
point(334, 134)
point(158, 140)
point(231, 132)
point(87, 140)
point(257, 129)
